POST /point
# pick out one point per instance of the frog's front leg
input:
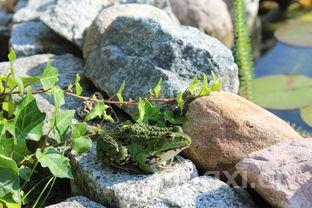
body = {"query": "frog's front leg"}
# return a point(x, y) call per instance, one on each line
point(144, 161)
point(110, 152)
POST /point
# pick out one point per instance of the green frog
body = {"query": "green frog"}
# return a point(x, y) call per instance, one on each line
point(141, 146)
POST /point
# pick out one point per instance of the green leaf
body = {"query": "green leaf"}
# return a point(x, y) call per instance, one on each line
point(12, 56)
point(120, 90)
point(9, 180)
point(216, 84)
point(19, 149)
point(57, 163)
point(80, 143)
point(29, 119)
point(99, 111)
point(306, 115)
point(8, 202)
point(147, 112)
point(180, 101)
point(60, 122)
point(157, 89)
point(283, 92)
point(77, 85)
point(27, 81)
point(58, 96)
point(169, 116)
point(19, 83)
point(205, 90)
point(49, 76)
point(192, 88)
point(25, 173)
point(139, 116)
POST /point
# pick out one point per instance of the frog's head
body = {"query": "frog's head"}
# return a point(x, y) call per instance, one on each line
point(173, 142)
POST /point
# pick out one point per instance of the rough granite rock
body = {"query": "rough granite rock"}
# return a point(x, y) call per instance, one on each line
point(154, 49)
point(20, 4)
point(77, 202)
point(209, 16)
point(161, 4)
point(68, 66)
point(225, 128)
point(32, 10)
point(116, 188)
point(33, 37)
point(202, 191)
point(281, 174)
point(70, 18)
point(5, 18)
point(108, 15)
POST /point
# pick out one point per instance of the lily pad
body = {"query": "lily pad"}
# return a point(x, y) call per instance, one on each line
point(297, 33)
point(283, 92)
point(306, 115)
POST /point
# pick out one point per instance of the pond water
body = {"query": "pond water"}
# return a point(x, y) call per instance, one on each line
point(288, 60)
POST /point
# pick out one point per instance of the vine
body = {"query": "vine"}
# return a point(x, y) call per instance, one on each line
point(22, 123)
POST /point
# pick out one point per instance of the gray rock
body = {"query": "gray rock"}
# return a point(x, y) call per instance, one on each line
point(33, 37)
point(68, 66)
point(31, 10)
point(70, 18)
point(282, 173)
point(77, 202)
point(117, 188)
point(202, 191)
point(110, 14)
point(161, 4)
point(20, 4)
point(155, 49)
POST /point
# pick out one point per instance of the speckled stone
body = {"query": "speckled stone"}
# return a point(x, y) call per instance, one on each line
point(116, 188)
point(70, 18)
point(31, 10)
point(203, 192)
point(77, 202)
point(33, 37)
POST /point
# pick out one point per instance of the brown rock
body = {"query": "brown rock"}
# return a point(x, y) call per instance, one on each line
point(226, 127)
point(209, 16)
point(282, 174)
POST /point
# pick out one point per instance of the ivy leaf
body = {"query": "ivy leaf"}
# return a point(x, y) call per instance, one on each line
point(216, 83)
point(29, 119)
point(49, 76)
point(27, 81)
point(77, 85)
point(192, 88)
point(8, 202)
point(180, 101)
point(9, 106)
point(157, 89)
point(60, 122)
point(19, 83)
point(25, 173)
point(9, 180)
point(12, 58)
point(57, 163)
point(169, 116)
point(147, 112)
point(205, 90)
point(120, 90)
point(99, 111)
point(20, 150)
point(58, 96)
point(80, 143)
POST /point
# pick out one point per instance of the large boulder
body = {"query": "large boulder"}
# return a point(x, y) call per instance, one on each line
point(209, 16)
point(154, 49)
point(117, 188)
point(77, 202)
point(33, 37)
point(202, 191)
point(225, 128)
point(281, 174)
point(70, 18)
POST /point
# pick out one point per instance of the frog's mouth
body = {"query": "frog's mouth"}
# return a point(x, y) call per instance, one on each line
point(169, 154)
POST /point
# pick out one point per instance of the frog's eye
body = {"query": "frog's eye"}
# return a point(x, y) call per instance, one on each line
point(169, 137)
